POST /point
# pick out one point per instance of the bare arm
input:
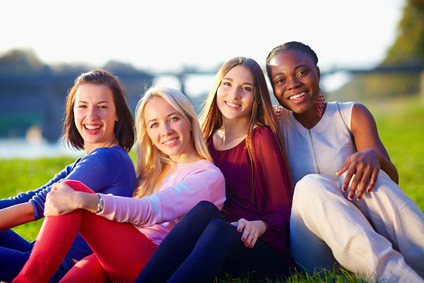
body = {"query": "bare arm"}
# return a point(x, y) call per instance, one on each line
point(16, 215)
point(370, 158)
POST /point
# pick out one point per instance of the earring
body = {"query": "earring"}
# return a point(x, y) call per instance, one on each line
point(277, 111)
point(320, 104)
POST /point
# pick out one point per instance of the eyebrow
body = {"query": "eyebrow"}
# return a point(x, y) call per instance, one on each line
point(230, 79)
point(295, 68)
point(170, 114)
point(99, 102)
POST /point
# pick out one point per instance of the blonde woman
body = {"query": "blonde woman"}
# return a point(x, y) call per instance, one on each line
point(174, 172)
point(250, 236)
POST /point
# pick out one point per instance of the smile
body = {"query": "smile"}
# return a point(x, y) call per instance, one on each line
point(92, 127)
point(232, 105)
point(170, 142)
point(297, 95)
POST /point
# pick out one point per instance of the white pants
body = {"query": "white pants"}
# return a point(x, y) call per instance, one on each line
point(380, 237)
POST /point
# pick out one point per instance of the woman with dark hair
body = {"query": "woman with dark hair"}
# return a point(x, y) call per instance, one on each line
point(99, 121)
point(347, 207)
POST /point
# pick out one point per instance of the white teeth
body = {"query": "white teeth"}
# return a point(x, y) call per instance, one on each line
point(170, 141)
point(296, 96)
point(90, 127)
point(232, 105)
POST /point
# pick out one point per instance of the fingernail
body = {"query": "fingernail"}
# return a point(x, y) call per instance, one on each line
point(243, 239)
point(246, 244)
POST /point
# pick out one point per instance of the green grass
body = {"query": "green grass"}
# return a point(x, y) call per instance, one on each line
point(400, 124)
point(337, 275)
point(18, 175)
point(401, 127)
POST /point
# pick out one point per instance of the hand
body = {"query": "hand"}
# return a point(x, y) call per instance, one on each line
point(251, 230)
point(362, 170)
point(60, 200)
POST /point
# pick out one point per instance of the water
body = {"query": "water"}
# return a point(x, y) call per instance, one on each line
point(21, 148)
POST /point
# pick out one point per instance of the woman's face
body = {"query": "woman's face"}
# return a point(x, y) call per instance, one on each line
point(169, 131)
point(95, 116)
point(295, 80)
point(235, 94)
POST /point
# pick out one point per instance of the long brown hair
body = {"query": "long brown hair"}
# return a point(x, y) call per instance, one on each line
point(262, 113)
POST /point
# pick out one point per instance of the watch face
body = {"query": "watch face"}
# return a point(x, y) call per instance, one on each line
point(99, 204)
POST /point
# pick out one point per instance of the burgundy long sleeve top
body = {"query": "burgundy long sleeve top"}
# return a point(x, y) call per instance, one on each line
point(269, 198)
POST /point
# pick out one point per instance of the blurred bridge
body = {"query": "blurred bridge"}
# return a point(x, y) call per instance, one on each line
point(183, 75)
point(39, 99)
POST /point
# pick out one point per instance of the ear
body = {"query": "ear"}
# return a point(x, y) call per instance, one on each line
point(318, 73)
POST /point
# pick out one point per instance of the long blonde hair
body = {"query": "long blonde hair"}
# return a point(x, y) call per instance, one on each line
point(152, 164)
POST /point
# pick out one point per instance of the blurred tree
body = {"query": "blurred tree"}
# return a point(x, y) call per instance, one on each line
point(407, 51)
point(32, 94)
point(409, 45)
point(20, 61)
point(119, 67)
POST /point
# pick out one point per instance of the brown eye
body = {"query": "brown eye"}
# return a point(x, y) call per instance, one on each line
point(279, 81)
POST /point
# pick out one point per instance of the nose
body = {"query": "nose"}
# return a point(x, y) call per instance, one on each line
point(235, 92)
point(166, 129)
point(292, 82)
point(92, 113)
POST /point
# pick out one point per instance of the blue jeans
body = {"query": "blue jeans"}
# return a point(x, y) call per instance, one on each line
point(14, 253)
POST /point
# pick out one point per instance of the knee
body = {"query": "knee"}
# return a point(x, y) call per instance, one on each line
point(312, 187)
point(311, 183)
point(78, 186)
point(205, 207)
point(202, 213)
point(220, 226)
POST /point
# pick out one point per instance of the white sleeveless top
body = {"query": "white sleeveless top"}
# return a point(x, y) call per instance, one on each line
point(322, 149)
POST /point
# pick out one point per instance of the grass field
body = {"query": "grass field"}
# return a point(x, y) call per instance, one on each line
point(400, 123)
point(401, 127)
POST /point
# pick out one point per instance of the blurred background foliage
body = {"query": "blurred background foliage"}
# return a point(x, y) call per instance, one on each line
point(32, 93)
point(406, 52)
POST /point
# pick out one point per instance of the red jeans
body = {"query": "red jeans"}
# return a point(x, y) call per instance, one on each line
point(120, 250)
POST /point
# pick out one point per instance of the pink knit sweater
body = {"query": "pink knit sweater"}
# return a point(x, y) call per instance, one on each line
point(157, 214)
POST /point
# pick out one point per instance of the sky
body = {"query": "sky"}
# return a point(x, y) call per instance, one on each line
point(165, 35)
